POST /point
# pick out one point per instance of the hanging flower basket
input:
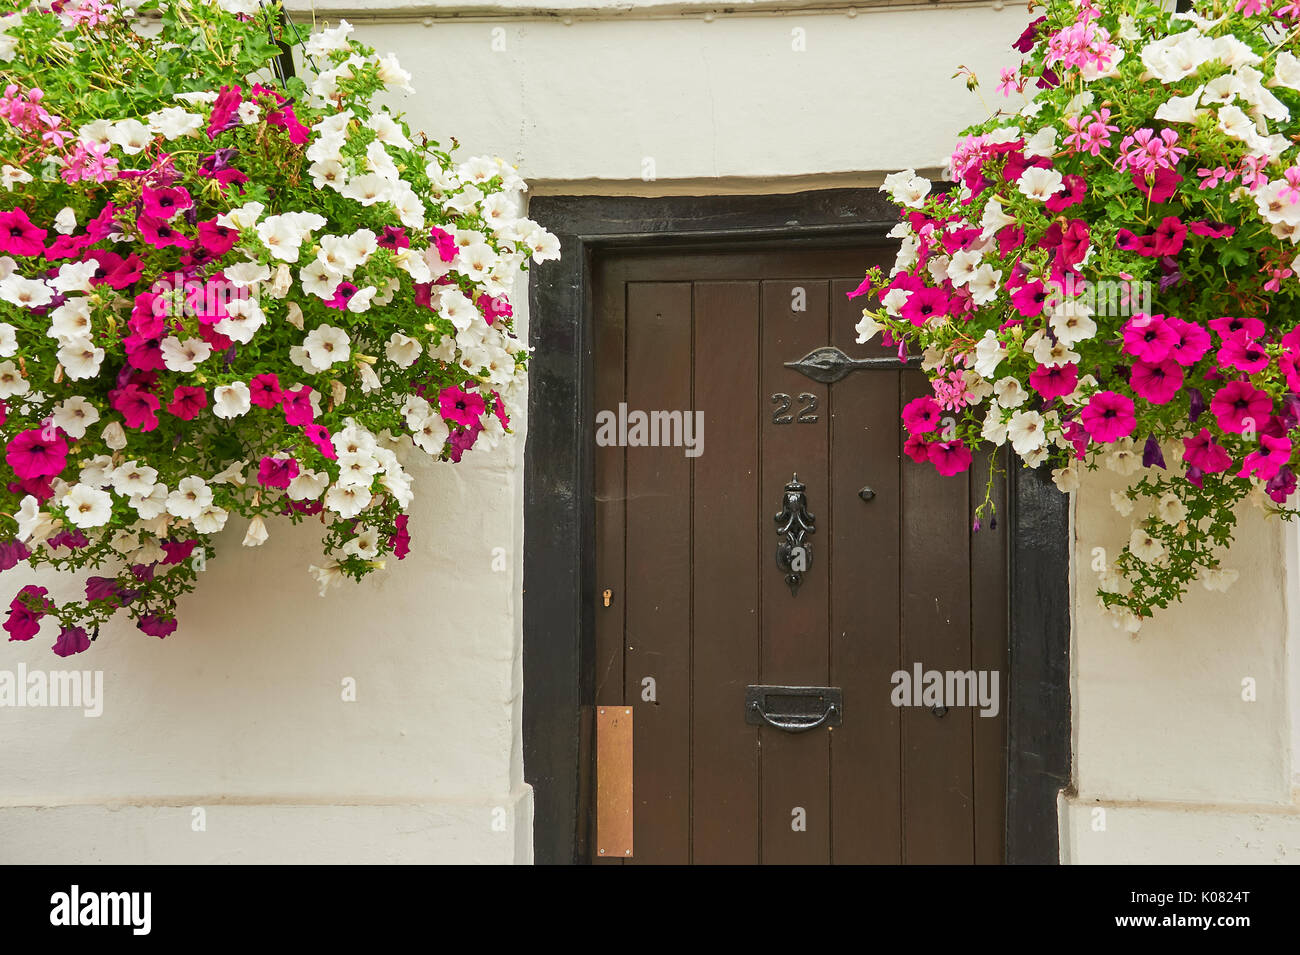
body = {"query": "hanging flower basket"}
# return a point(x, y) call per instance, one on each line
point(229, 295)
point(1112, 278)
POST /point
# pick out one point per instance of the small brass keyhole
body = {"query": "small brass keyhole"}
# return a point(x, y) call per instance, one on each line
point(607, 596)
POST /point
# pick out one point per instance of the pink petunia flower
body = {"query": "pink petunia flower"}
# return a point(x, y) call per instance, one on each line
point(32, 455)
point(1243, 354)
point(18, 236)
point(1108, 417)
point(1193, 341)
point(1156, 382)
point(264, 390)
point(1149, 337)
point(297, 406)
point(138, 406)
point(1053, 381)
point(921, 415)
point(276, 472)
point(319, 435)
point(1201, 452)
point(949, 457)
point(1240, 407)
point(464, 408)
point(1267, 459)
point(164, 204)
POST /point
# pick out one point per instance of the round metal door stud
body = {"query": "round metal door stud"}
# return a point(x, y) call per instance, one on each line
point(939, 711)
point(866, 494)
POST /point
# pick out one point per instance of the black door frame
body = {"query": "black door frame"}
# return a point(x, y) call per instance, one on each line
point(559, 513)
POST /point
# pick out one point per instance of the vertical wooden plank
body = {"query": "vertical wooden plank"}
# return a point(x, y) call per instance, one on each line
point(866, 445)
point(614, 794)
point(658, 559)
point(989, 652)
point(938, 825)
point(726, 552)
point(608, 389)
point(795, 767)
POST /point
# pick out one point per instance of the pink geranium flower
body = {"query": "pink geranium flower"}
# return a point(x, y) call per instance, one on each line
point(1156, 382)
point(32, 455)
point(1240, 407)
point(1108, 417)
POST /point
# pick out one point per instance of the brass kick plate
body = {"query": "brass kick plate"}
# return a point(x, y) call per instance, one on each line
point(614, 782)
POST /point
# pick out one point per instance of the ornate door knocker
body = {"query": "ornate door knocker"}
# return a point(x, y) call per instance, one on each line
point(793, 525)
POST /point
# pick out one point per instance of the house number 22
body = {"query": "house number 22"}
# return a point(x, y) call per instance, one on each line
point(783, 404)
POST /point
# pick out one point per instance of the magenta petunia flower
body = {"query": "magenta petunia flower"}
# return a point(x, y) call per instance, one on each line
point(464, 408)
point(1201, 452)
point(1241, 353)
point(949, 457)
point(157, 625)
point(401, 541)
point(319, 435)
point(1108, 417)
point(1160, 187)
point(342, 295)
point(1169, 236)
point(18, 236)
point(1076, 187)
point(161, 235)
point(921, 415)
point(925, 304)
point(297, 406)
point(276, 472)
point(1149, 337)
point(225, 110)
point(164, 204)
point(1229, 326)
point(917, 448)
point(1240, 407)
point(178, 551)
point(1052, 381)
point(1156, 382)
point(216, 239)
point(138, 406)
point(1211, 230)
point(187, 402)
point(31, 455)
point(1029, 299)
point(1267, 460)
point(115, 271)
point(264, 390)
point(12, 553)
point(445, 243)
point(25, 612)
point(1193, 342)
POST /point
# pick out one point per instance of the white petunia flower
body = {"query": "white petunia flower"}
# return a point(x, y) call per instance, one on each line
point(80, 358)
point(1026, 432)
point(87, 507)
point(232, 400)
point(191, 496)
point(184, 356)
point(12, 382)
point(243, 318)
point(326, 344)
point(256, 534)
point(1145, 547)
point(1040, 184)
point(74, 415)
point(132, 479)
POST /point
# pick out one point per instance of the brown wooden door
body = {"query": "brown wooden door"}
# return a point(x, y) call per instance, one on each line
point(699, 609)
